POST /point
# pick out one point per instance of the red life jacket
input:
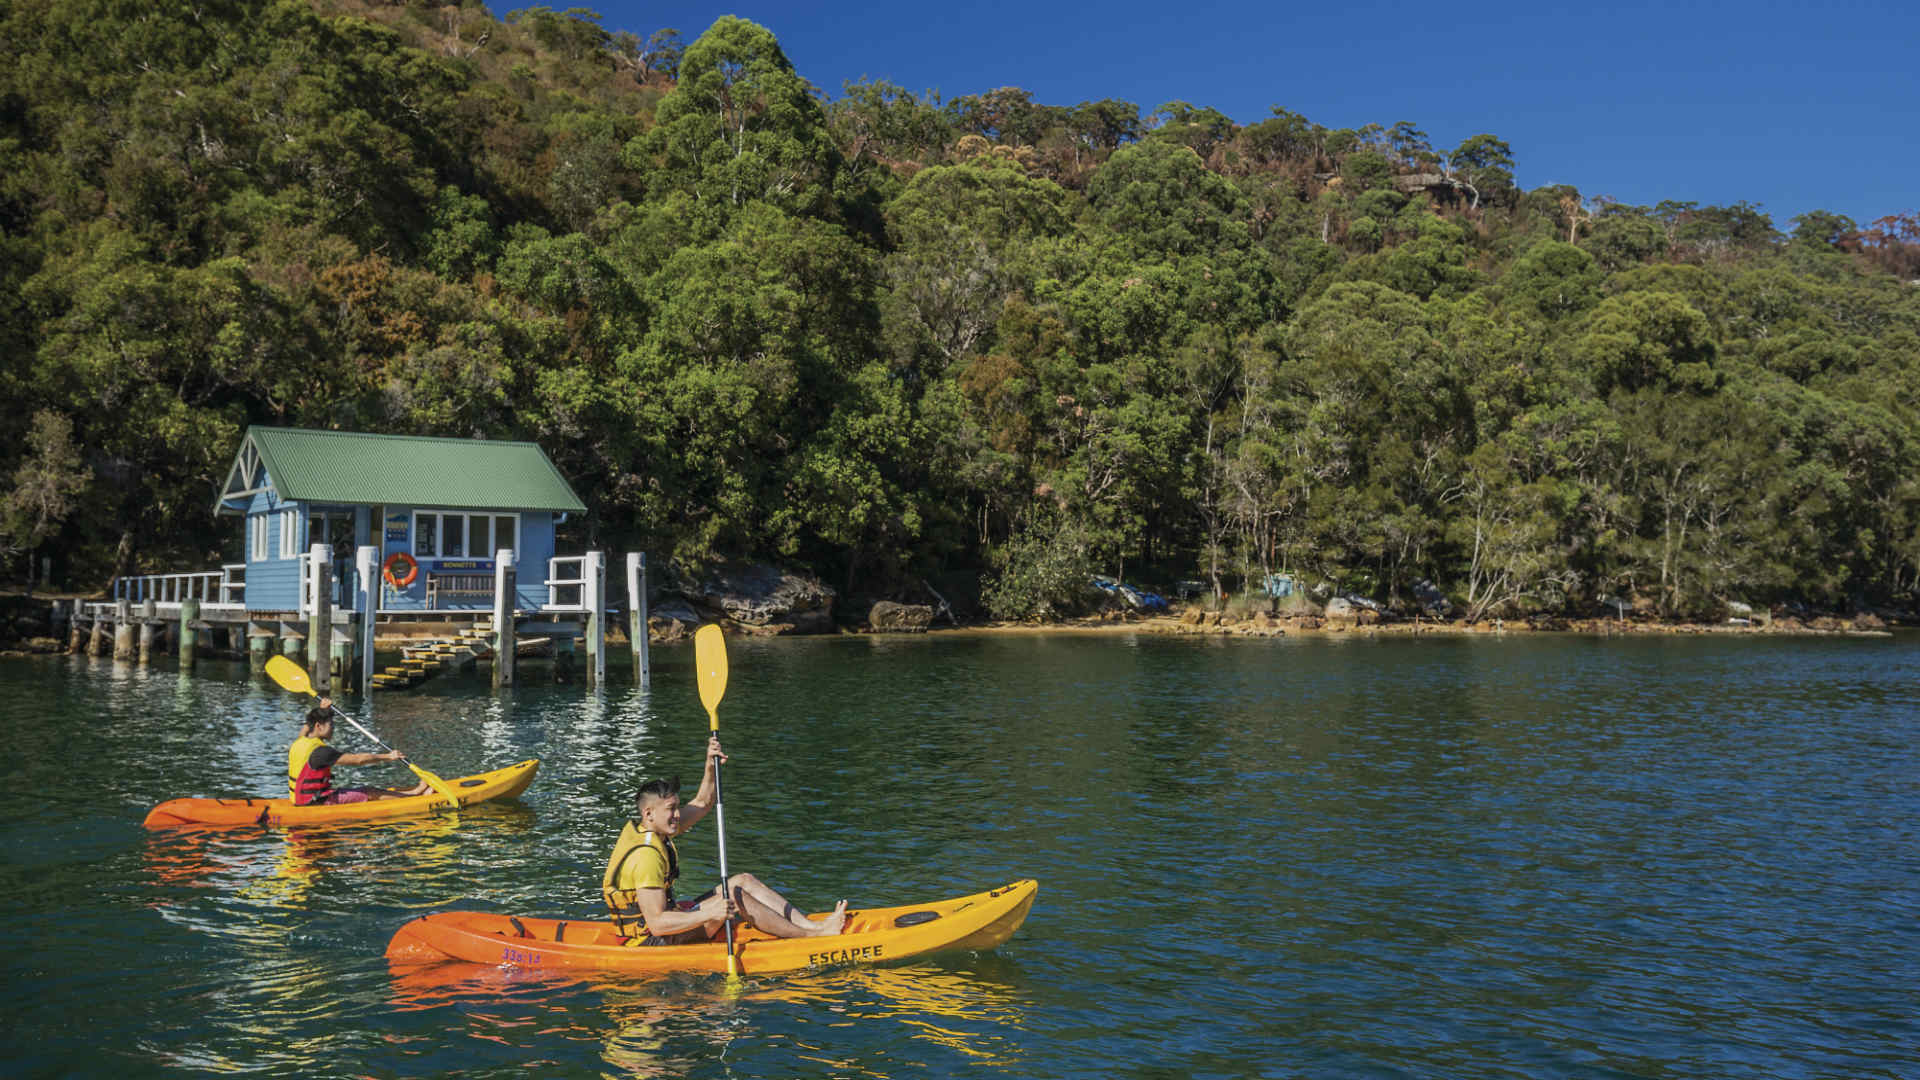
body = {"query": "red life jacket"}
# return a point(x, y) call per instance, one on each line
point(307, 785)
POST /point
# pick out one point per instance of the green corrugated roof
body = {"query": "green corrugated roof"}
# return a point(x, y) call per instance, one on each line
point(404, 470)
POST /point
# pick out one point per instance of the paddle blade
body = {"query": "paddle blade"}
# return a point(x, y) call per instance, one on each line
point(439, 785)
point(710, 660)
point(289, 675)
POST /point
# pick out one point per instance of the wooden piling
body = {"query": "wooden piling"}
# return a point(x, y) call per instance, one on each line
point(149, 625)
point(340, 657)
point(637, 617)
point(97, 639)
point(505, 639)
point(189, 635)
point(77, 628)
point(594, 570)
point(123, 629)
point(259, 646)
point(366, 562)
point(320, 618)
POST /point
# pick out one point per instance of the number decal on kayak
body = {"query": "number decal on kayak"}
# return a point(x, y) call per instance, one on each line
point(511, 955)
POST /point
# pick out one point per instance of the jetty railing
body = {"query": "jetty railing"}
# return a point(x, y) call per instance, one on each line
point(167, 591)
point(233, 585)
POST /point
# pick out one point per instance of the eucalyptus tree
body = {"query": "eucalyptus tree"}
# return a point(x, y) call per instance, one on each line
point(741, 126)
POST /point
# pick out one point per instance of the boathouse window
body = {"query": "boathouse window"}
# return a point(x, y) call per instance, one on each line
point(289, 534)
point(459, 536)
point(331, 527)
point(257, 535)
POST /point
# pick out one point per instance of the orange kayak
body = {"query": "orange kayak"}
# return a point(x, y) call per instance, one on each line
point(498, 784)
point(877, 935)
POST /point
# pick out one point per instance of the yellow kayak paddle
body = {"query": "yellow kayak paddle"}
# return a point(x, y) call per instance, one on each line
point(710, 662)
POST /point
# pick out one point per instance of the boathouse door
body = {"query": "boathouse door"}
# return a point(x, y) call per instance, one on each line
point(334, 528)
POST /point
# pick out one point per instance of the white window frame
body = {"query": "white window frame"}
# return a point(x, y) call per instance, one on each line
point(466, 533)
point(257, 537)
point(290, 533)
point(325, 519)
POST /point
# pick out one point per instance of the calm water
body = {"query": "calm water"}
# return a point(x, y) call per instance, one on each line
point(1368, 858)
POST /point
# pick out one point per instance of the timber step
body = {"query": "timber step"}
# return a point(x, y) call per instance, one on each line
point(423, 659)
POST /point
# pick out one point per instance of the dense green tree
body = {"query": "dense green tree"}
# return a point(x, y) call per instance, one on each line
point(1555, 280)
point(1485, 164)
point(740, 126)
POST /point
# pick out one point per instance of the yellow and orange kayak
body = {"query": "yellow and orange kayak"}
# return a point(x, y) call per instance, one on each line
point(498, 784)
point(877, 935)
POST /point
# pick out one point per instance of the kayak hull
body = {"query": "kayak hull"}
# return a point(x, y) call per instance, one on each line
point(980, 921)
point(478, 788)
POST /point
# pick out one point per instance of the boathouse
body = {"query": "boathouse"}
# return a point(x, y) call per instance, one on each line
point(435, 509)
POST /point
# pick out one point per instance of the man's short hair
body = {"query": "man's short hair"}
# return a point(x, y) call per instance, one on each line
point(317, 716)
point(655, 789)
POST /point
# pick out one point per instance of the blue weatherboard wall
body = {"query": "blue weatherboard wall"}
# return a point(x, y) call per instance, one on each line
point(273, 583)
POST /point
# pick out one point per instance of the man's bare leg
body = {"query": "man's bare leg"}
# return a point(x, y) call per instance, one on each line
point(771, 912)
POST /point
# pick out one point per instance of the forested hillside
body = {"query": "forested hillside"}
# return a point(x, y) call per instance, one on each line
point(890, 337)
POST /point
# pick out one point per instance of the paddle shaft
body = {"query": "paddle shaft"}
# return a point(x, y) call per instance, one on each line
point(361, 730)
point(720, 827)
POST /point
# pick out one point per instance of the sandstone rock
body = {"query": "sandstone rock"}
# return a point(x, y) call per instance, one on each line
point(762, 596)
point(889, 617)
point(673, 620)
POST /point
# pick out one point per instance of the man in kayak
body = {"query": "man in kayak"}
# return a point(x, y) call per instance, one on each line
point(310, 763)
point(638, 883)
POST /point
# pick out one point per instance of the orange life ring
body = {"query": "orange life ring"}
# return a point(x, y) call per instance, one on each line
point(398, 557)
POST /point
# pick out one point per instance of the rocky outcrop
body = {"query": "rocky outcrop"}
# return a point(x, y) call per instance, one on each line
point(890, 618)
point(673, 620)
point(762, 600)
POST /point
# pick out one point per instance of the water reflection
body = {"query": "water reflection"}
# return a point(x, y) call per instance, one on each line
point(969, 1009)
point(302, 852)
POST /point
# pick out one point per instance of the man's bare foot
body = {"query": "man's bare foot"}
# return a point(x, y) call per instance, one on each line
point(833, 923)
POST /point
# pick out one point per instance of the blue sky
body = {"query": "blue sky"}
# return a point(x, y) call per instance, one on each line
point(1793, 106)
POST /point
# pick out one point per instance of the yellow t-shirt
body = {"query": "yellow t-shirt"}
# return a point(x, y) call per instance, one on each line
point(646, 868)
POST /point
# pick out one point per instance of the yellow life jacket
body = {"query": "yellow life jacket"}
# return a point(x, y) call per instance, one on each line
point(307, 785)
point(625, 903)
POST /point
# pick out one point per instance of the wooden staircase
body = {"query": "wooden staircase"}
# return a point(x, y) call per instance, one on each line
point(422, 660)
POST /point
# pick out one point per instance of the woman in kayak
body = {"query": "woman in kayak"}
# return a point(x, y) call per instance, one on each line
point(638, 883)
point(310, 763)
